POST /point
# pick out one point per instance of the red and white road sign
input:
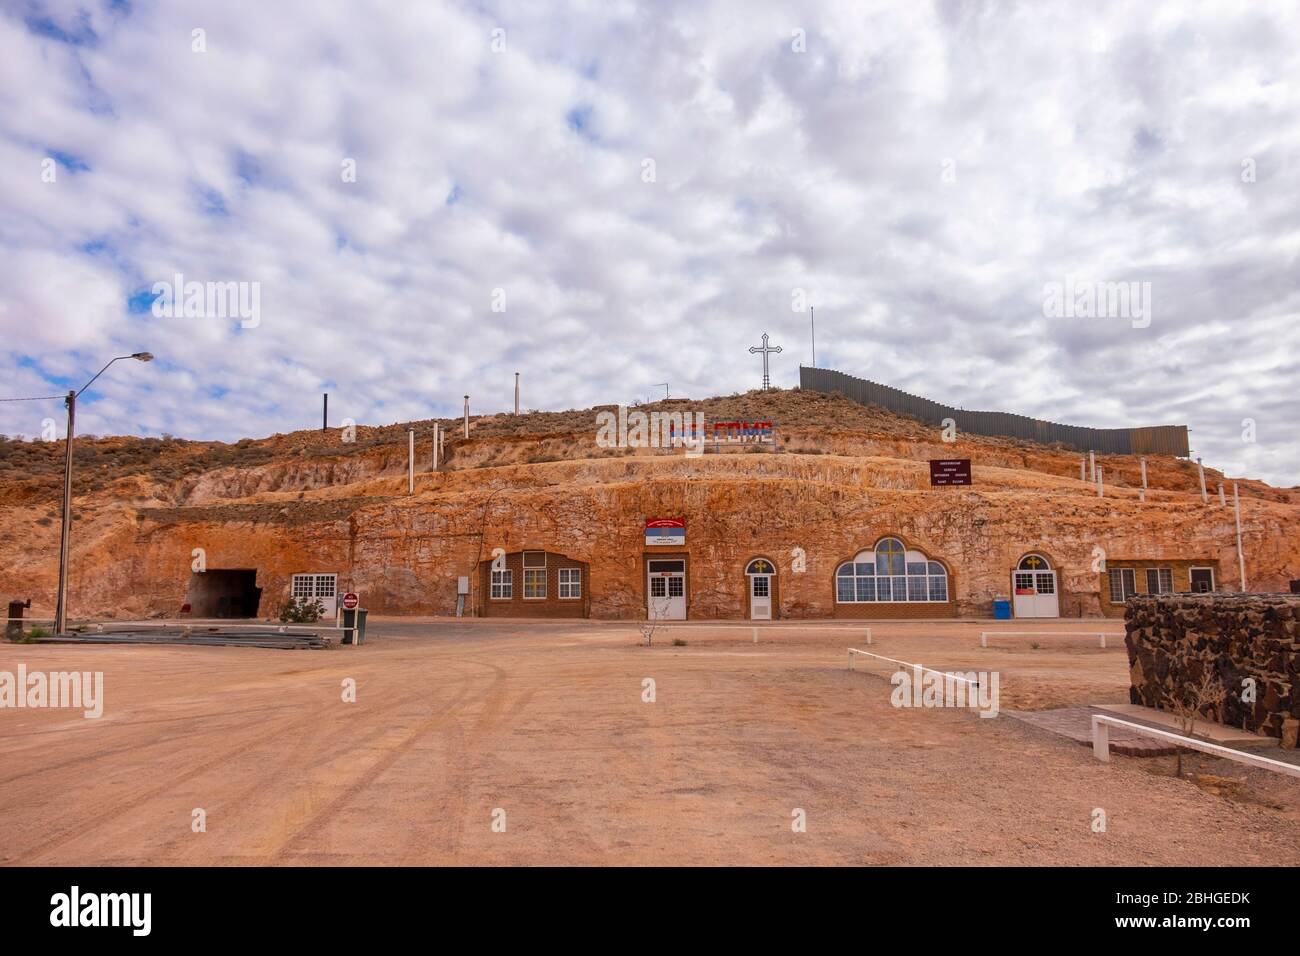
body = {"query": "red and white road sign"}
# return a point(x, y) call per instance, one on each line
point(350, 600)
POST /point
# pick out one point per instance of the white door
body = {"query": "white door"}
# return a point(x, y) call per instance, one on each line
point(760, 597)
point(318, 587)
point(327, 593)
point(1034, 594)
point(667, 590)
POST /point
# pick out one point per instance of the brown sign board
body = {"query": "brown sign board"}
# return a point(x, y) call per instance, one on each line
point(949, 471)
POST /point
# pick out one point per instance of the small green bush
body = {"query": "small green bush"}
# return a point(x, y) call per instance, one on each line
point(31, 636)
point(301, 611)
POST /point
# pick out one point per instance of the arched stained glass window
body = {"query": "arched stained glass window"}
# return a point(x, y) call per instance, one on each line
point(890, 573)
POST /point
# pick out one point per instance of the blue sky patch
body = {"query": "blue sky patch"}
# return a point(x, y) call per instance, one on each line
point(211, 202)
point(141, 302)
point(69, 161)
point(247, 168)
point(579, 120)
point(80, 34)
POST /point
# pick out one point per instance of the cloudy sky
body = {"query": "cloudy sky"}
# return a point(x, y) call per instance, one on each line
point(427, 197)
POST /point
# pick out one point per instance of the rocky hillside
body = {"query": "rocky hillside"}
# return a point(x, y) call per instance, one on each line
point(839, 475)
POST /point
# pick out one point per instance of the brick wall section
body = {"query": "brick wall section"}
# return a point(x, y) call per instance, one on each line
point(886, 610)
point(1171, 639)
point(550, 606)
point(1181, 572)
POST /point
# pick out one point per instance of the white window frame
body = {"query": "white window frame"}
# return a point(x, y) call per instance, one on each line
point(573, 584)
point(502, 587)
point(1126, 590)
point(314, 585)
point(1214, 584)
point(898, 582)
point(535, 597)
point(1161, 574)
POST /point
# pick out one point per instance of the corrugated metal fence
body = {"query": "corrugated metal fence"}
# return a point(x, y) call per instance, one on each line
point(1155, 440)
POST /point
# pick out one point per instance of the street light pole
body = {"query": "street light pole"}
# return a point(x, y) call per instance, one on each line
point(61, 602)
point(60, 610)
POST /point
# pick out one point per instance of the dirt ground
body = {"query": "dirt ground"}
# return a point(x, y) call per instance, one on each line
point(543, 727)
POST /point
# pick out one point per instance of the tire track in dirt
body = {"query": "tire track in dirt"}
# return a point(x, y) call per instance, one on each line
point(301, 739)
point(441, 717)
point(127, 748)
point(331, 747)
point(122, 807)
point(461, 774)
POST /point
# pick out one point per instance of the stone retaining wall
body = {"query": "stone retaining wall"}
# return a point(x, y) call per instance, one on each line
point(1172, 638)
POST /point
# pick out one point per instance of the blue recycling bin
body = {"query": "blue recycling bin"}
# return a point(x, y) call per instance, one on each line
point(1001, 610)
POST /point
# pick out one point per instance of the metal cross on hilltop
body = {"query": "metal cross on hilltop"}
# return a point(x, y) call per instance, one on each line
point(765, 350)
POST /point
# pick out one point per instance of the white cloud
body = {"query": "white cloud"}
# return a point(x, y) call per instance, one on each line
point(1119, 160)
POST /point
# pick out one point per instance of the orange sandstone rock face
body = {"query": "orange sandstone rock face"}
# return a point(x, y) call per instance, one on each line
point(840, 477)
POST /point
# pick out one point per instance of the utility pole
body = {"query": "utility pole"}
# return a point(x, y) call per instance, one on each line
point(60, 609)
point(516, 393)
point(61, 602)
point(812, 328)
point(325, 413)
point(1241, 556)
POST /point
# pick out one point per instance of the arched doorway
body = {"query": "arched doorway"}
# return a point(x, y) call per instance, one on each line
point(1033, 587)
point(760, 576)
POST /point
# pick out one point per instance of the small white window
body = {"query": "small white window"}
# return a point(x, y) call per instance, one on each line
point(534, 583)
point(503, 587)
point(1123, 584)
point(313, 585)
point(1160, 581)
point(570, 583)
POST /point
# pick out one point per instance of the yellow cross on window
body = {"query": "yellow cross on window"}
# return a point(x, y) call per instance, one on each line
point(892, 549)
point(1033, 561)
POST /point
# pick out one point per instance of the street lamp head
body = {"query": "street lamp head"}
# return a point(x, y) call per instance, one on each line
point(142, 356)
